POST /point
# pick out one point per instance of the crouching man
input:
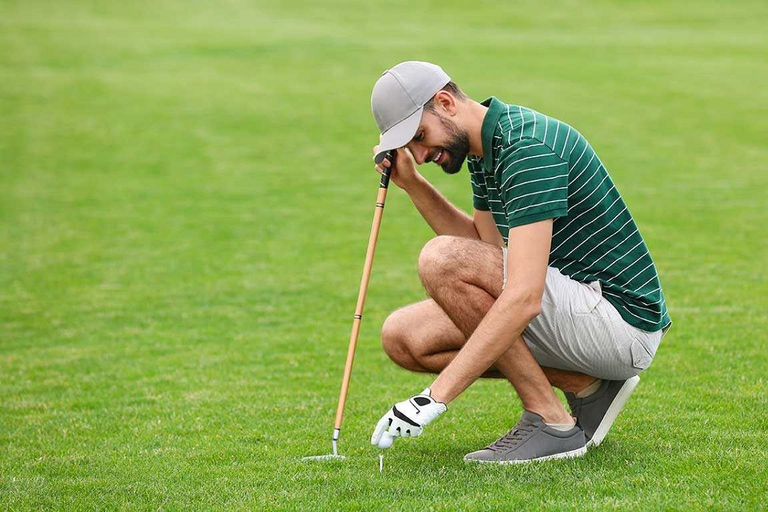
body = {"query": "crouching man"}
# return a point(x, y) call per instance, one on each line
point(548, 283)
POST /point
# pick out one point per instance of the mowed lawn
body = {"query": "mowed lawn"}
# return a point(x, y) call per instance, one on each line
point(185, 200)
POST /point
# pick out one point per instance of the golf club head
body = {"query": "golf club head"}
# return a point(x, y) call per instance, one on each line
point(330, 456)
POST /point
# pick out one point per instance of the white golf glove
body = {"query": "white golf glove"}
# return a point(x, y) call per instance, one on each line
point(407, 418)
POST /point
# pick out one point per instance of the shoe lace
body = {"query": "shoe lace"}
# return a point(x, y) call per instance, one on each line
point(512, 438)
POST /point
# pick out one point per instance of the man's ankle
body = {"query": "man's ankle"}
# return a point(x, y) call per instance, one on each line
point(563, 427)
point(589, 390)
point(555, 416)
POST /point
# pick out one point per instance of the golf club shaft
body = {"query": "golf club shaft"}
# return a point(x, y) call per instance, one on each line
point(367, 267)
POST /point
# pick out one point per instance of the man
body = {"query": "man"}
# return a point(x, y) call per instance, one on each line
point(549, 283)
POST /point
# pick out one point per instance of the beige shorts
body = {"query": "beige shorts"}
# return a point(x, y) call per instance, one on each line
point(579, 330)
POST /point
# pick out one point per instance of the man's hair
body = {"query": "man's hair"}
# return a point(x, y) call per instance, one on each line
point(451, 88)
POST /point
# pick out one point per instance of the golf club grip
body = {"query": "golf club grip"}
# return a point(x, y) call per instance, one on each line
point(389, 155)
point(367, 268)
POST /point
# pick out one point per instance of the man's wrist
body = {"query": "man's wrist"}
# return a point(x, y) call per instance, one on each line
point(438, 393)
point(411, 184)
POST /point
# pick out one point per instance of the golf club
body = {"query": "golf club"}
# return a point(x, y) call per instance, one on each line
point(367, 267)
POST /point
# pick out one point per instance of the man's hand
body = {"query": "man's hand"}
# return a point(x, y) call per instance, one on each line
point(404, 172)
point(407, 418)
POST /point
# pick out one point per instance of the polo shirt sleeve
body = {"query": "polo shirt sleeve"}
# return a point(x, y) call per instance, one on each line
point(479, 191)
point(533, 182)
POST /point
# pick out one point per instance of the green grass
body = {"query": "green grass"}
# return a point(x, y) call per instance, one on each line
point(185, 199)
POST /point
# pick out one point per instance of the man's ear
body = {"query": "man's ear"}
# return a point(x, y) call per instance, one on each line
point(446, 102)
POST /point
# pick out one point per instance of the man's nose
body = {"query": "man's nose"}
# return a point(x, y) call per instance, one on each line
point(419, 152)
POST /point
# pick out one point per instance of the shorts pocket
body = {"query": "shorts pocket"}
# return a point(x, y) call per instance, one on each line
point(641, 356)
point(587, 300)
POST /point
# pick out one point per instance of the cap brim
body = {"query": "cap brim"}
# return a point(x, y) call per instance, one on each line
point(399, 135)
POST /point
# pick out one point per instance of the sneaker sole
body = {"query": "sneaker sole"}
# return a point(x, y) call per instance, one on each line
point(564, 455)
point(613, 411)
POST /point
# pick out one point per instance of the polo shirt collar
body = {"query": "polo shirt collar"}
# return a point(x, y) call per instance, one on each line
point(490, 122)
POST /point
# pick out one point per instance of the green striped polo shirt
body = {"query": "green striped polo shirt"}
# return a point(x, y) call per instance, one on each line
point(535, 167)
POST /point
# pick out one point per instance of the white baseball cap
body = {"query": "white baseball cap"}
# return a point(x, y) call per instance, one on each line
point(398, 100)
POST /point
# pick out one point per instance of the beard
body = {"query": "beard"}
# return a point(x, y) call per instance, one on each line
point(457, 146)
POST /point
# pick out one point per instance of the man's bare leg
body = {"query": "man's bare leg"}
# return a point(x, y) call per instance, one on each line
point(420, 337)
point(464, 277)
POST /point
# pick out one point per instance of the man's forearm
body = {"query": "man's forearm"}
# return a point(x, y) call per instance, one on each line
point(498, 333)
point(443, 217)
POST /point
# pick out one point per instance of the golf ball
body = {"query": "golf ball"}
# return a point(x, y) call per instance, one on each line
point(385, 441)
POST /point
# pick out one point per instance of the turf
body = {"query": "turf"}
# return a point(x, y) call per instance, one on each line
point(185, 199)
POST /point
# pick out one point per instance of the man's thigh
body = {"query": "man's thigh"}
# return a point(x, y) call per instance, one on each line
point(445, 259)
point(581, 331)
point(421, 337)
point(425, 328)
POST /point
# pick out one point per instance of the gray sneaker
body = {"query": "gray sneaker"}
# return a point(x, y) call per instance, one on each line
point(596, 413)
point(532, 440)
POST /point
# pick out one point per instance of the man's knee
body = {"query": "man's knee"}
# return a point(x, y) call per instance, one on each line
point(439, 260)
point(394, 341)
